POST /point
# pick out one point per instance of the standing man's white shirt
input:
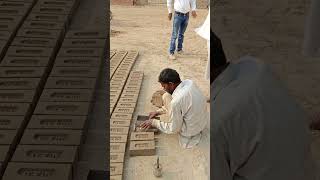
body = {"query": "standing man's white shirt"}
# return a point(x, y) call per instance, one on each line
point(188, 114)
point(182, 6)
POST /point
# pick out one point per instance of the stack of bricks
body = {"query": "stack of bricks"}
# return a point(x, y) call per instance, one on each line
point(51, 143)
point(27, 51)
point(116, 59)
point(12, 15)
point(120, 76)
point(120, 123)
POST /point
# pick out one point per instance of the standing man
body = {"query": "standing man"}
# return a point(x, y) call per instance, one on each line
point(186, 107)
point(258, 130)
point(181, 11)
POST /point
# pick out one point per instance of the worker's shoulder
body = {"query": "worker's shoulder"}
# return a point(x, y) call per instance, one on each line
point(248, 76)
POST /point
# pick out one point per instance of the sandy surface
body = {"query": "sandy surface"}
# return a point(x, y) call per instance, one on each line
point(147, 30)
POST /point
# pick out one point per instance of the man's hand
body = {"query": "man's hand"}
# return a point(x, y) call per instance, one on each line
point(146, 124)
point(170, 16)
point(153, 115)
point(194, 14)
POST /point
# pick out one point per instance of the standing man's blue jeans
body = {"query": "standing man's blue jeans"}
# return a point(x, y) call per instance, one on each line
point(180, 23)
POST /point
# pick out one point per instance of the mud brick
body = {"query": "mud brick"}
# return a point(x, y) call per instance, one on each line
point(126, 105)
point(29, 51)
point(25, 61)
point(34, 42)
point(116, 157)
point(87, 34)
point(75, 72)
point(19, 83)
point(131, 92)
point(133, 96)
point(117, 123)
point(78, 61)
point(13, 11)
point(128, 100)
point(132, 87)
point(8, 137)
point(48, 17)
point(24, 96)
point(124, 110)
point(118, 138)
point(116, 177)
point(95, 43)
point(142, 136)
point(12, 4)
point(5, 35)
point(8, 23)
point(37, 171)
point(142, 148)
point(49, 9)
point(51, 137)
point(11, 122)
point(117, 147)
point(116, 169)
point(80, 52)
point(39, 33)
point(119, 130)
point(45, 154)
point(4, 153)
point(67, 95)
point(57, 122)
point(43, 25)
point(56, 3)
point(70, 83)
point(115, 91)
point(29, 1)
point(63, 108)
point(20, 72)
point(116, 86)
point(114, 97)
point(14, 109)
point(121, 116)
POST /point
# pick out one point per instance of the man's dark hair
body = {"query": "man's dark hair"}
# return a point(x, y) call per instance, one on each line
point(169, 75)
point(219, 58)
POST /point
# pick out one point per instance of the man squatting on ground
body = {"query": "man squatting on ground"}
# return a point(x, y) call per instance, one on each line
point(258, 132)
point(186, 108)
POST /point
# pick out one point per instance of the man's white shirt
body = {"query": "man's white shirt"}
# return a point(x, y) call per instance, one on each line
point(182, 6)
point(188, 114)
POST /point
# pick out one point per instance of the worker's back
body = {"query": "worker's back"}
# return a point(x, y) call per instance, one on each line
point(258, 131)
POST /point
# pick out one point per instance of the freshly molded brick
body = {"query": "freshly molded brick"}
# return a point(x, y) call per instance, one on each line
point(62, 108)
point(142, 148)
point(57, 122)
point(37, 171)
point(116, 168)
point(51, 137)
point(67, 95)
point(70, 83)
point(116, 157)
point(142, 136)
point(11, 122)
point(117, 147)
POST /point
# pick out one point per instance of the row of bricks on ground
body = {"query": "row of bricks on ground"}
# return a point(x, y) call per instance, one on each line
point(137, 148)
point(122, 63)
point(40, 72)
point(54, 34)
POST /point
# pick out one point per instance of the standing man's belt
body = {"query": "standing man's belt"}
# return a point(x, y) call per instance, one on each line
point(181, 14)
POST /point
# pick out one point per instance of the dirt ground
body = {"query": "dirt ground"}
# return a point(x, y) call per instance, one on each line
point(148, 30)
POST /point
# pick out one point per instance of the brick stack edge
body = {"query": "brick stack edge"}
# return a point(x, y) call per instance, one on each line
point(43, 115)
